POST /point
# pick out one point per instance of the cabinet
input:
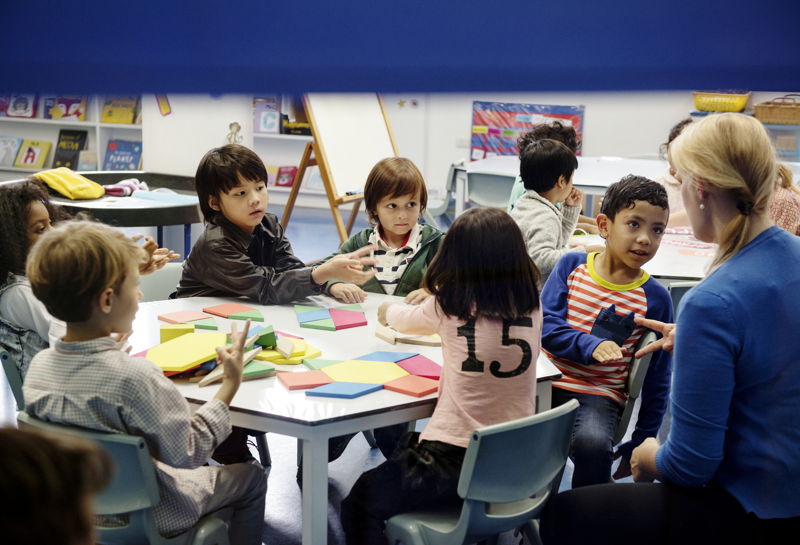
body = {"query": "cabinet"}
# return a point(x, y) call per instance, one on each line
point(98, 134)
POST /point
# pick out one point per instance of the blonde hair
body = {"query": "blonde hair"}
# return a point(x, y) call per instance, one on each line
point(73, 263)
point(732, 153)
point(785, 177)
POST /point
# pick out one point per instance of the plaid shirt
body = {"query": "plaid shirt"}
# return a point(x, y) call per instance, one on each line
point(92, 384)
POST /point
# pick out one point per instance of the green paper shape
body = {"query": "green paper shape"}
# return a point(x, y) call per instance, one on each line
point(267, 337)
point(253, 315)
point(317, 363)
point(354, 306)
point(299, 309)
point(208, 323)
point(256, 369)
point(325, 325)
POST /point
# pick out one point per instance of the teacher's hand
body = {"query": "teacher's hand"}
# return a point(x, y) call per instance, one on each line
point(643, 461)
point(666, 342)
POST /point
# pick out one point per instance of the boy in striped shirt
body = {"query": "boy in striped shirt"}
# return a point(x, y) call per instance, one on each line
point(589, 302)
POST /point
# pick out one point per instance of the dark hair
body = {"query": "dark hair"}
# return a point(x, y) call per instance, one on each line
point(222, 169)
point(625, 193)
point(543, 162)
point(554, 131)
point(393, 177)
point(674, 133)
point(483, 268)
point(51, 479)
point(15, 204)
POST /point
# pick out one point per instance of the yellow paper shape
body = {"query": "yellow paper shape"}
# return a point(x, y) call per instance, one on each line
point(173, 331)
point(276, 357)
point(365, 372)
point(186, 351)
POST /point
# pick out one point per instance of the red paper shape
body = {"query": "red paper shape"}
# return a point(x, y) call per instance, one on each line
point(413, 385)
point(421, 366)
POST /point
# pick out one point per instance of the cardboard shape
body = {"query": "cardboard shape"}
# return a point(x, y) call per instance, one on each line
point(413, 385)
point(347, 318)
point(173, 331)
point(324, 325)
point(386, 356)
point(316, 363)
point(207, 323)
point(364, 372)
point(266, 337)
point(284, 334)
point(421, 366)
point(182, 316)
point(186, 351)
point(344, 390)
point(252, 315)
point(298, 309)
point(313, 315)
point(303, 379)
point(257, 369)
point(226, 309)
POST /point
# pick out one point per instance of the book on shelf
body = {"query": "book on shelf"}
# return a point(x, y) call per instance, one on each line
point(72, 107)
point(266, 114)
point(21, 105)
point(5, 100)
point(68, 147)
point(32, 154)
point(123, 155)
point(87, 160)
point(120, 109)
point(285, 176)
point(293, 116)
point(9, 146)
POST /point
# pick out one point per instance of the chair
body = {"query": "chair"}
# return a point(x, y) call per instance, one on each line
point(157, 285)
point(638, 371)
point(677, 290)
point(436, 212)
point(509, 472)
point(133, 491)
point(13, 376)
point(492, 190)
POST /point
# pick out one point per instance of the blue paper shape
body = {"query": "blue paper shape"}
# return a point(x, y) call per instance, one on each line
point(347, 390)
point(313, 315)
point(254, 329)
point(393, 357)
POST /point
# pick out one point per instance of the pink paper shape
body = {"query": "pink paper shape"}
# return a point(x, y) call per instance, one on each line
point(344, 319)
point(421, 366)
point(183, 316)
point(282, 334)
point(303, 379)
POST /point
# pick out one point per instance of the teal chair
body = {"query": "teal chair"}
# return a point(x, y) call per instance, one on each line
point(636, 374)
point(677, 290)
point(13, 377)
point(509, 472)
point(133, 492)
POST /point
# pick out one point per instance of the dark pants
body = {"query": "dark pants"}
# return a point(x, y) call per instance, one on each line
point(418, 476)
point(657, 514)
point(592, 446)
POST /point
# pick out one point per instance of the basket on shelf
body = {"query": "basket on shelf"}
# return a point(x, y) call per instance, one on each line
point(721, 101)
point(783, 110)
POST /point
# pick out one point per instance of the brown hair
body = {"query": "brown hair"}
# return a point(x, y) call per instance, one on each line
point(49, 482)
point(223, 168)
point(554, 131)
point(393, 177)
point(73, 263)
point(483, 268)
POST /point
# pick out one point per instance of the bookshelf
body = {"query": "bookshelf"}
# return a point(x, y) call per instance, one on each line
point(98, 133)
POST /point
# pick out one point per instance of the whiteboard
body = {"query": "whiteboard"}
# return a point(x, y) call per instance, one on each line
point(351, 134)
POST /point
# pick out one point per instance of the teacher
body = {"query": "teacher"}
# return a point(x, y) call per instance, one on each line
point(729, 471)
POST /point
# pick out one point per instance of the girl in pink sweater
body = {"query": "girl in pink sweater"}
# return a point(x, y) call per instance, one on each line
point(486, 310)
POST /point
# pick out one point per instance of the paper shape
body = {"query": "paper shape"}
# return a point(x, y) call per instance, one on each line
point(253, 315)
point(325, 325)
point(313, 315)
point(413, 385)
point(421, 366)
point(257, 369)
point(267, 337)
point(354, 306)
point(347, 318)
point(207, 323)
point(226, 309)
point(186, 351)
point(303, 379)
point(386, 356)
point(346, 390)
point(283, 334)
point(298, 309)
point(217, 373)
point(173, 331)
point(316, 363)
point(290, 347)
point(364, 372)
point(183, 316)
point(276, 357)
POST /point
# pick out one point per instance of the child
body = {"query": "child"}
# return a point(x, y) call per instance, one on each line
point(677, 214)
point(25, 325)
point(243, 251)
point(589, 303)
point(395, 197)
point(784, 206)
point(546, 168)
point(87, 274)
point(484, 293)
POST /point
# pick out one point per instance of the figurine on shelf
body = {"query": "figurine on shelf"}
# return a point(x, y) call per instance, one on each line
point(234, 137)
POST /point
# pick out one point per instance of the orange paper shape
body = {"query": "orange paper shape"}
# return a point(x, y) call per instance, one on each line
point(413, 385)
point(183, 316)
point(227, 309)
point(304, 379)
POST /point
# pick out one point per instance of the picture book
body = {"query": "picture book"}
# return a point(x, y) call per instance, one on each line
point(9, 145)
point(68, 148)
point(285, 176)
point(21, 106)
point(65, 107)
point(123, 155)
point(32, 154)
point(119, 109)
point(266, 114)
point(87, 160)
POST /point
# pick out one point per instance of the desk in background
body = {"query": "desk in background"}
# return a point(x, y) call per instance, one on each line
point(266, 405)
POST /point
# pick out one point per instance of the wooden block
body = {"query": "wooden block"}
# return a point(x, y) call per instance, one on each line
point(313, 315)
point(413, 385)
point(364, 372)
point(290, 347)
point(344, 390)
point(226, 309)
point(419, 340)
point(186, 351)
point(218, 372)
point(347, 318)
point(303, 379)
point(386, 333)
point(325, 325)
point(386, 356)
point(182, 316)
point(421, 366)
point(173, 331)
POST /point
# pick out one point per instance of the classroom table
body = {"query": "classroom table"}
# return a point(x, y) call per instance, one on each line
point(266, 405)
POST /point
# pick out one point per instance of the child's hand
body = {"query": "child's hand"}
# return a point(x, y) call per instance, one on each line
point(348, 293)
point(575, 197)
point(231, 358)
point(346, 267)
point(666, 342)
point(607, 351)
point(624, 467)
point(122, 341)
point(382, 312)
point(417, 297)
point(156, 257)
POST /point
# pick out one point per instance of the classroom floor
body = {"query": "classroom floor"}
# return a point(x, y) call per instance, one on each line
point(312, 235)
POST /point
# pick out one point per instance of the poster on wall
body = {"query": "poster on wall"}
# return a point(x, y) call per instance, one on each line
point(497, 125)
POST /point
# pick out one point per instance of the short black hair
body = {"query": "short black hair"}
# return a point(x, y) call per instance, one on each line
point(222, 169)
point(543, 162)
point(631, 188)
point(554, 131)
point(674, 133)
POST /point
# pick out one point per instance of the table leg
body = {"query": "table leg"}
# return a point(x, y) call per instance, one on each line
point(315, 491)
point(187, 239)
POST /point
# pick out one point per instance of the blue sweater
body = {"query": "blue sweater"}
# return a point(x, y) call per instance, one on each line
point(736, 388)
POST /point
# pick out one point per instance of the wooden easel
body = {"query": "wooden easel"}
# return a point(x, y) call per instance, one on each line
point(358, 120)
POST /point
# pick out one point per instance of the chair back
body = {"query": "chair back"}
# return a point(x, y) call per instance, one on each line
point(492, 190)
point(676, 292)
point(157, 285)
point(13, 376)
point(636, 375)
